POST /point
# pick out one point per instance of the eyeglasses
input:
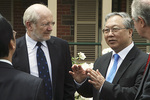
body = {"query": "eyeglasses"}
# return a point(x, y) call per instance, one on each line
point(48, 24)
point(106, 31)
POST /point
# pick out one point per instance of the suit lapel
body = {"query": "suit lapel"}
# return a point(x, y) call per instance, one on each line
point(106, 63)
point(53, 57)
point(125, 64)
point(22, 54)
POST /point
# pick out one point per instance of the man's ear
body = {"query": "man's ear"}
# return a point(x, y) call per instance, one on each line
point(131, 32)
point(142, 22)
point(29, 25)
point(12, 44)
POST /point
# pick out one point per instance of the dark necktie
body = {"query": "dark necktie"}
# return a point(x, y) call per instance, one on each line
point(43, 71)
point(112, 72)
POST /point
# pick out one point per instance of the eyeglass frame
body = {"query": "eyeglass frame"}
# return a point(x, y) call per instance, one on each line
point(112, 30)
point(48, 24)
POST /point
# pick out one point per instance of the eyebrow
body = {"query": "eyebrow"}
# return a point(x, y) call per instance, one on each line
point(111, 26)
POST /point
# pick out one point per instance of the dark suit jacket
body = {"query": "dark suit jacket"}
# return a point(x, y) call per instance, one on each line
point(18, 85)
point(126, 81)
point(144, 88)
point(62, 81)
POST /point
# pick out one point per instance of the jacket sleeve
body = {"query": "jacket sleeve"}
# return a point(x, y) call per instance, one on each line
point(40, 93)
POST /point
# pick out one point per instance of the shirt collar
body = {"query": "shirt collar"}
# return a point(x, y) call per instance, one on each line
point(6, 61)
point(32, 43)
point(125, 51)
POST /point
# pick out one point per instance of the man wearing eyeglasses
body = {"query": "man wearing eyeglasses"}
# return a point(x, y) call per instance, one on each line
point(114, 77)
point(43, 55)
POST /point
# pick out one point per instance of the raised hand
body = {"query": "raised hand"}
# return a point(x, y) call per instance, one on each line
point(78, 73)
point(97, 80)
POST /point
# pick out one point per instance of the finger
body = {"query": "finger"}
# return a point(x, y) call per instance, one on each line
point(93, 73)
point(96, 85)
point(88, 70)
point(98, 72)
point(74, 68)
point(93, 77)
point(70, 72)
point(80, 67)
point(92, 82)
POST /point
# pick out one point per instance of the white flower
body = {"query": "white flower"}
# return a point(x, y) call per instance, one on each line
point(91, 65)
point(86, 65)
point(76, 94)
point(81, 55)
point(106, 50)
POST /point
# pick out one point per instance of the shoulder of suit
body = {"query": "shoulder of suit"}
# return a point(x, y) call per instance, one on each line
point(56, 39)
point(105, 56)
point(27, 76)
point(139, 51)
point(20, 39)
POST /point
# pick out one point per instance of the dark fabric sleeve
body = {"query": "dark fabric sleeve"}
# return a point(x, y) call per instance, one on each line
point(145, 89)
point(69, 89)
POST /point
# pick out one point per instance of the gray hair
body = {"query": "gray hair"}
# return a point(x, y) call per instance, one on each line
point(31, 14)
point(127, 21)
point(141, 9)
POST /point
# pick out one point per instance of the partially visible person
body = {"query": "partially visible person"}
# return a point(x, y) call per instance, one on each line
point(59, 84)
point(130, 64)
point(141, 18)
point(14, 84)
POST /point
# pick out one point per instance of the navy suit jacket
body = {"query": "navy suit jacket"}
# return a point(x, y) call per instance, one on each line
point(62, 81)
point(126, 80)
point(18, 85)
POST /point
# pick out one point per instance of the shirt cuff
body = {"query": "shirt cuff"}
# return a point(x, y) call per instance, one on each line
point(79, 84)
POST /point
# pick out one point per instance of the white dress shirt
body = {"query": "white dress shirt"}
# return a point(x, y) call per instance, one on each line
point(122, 54)
point(32, 49)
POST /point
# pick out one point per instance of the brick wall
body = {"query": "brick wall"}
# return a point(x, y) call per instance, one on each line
point(123, 5)
point(17, 18)
point(65, 22)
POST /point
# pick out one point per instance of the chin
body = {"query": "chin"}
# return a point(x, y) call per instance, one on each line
point(143, 36)
point(46, 37)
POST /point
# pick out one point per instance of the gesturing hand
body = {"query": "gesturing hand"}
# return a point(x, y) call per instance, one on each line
point(78, 73)
point(97, 80)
